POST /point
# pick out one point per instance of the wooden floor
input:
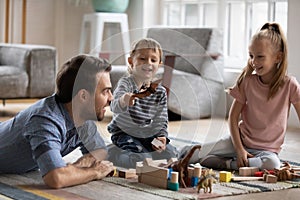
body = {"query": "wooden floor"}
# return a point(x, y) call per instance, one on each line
point(191, 130)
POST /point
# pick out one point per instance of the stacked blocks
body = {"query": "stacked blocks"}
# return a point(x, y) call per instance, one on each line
point(173, 182)
point(248, 171)
point(196, 175)
point(150, 173)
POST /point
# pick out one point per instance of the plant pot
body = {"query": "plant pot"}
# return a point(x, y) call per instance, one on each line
point(116, 6)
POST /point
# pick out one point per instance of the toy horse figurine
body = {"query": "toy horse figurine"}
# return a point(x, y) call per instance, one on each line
point(287, 172)
point(181, 166)
point(146, 91)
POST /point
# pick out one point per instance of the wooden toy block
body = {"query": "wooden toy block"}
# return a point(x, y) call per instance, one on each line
point(159, 163)
point(259, 174)
point(173, 186)
point(248, 171)
point(139, 167)
point(190, 172)
point(225, 176)
point(147, 162)
point(271, 178)
point(246, 178)
point(154, 181)
point(174, 177)
point(127, 173)
point(157, 143)
point(172, 160)
point(254, 170)
point(197, 171)
point(156, 163)
point(158, 172)
point(194, 181)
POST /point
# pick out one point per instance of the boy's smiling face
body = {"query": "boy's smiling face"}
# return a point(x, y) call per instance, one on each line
point(144, 64)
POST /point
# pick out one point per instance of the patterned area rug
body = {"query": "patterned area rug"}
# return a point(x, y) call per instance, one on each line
point(219, 189)
point(35, 192)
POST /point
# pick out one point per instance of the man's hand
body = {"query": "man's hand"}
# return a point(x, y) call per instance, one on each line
point(72, 175)
point(103, 168)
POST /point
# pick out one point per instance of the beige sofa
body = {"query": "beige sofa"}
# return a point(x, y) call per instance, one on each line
point(27, 71)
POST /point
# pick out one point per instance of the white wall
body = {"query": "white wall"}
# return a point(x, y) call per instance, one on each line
point(294, 48)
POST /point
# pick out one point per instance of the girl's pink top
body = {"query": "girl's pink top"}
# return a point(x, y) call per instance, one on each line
point(264, 121)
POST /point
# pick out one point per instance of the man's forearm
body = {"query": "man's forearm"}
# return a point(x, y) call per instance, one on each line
point(88, 159)
point(73, 175)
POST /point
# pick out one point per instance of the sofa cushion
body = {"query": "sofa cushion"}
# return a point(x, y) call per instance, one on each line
point(13, 81)
point(20, 54)
point(189, 44)
point(193, 96)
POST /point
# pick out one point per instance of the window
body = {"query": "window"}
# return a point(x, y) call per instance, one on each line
point(239, 19)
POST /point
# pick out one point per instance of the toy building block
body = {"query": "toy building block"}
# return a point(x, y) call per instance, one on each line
point(248, 171)
point(159, 163)
point(152, 175)
point(194, 181)
point(173, 183)
point(246, 178)
point(197, 171)
point(225, 176)
point(153, 181)
point(139, 167)
point(271, 178)
point(261, 173)
point(127, 173)
point(196, 175)
point(159, 172)
point(148, 162)
point(188, 179)
point(157, 143)
point(190, 172)
point(172, 160)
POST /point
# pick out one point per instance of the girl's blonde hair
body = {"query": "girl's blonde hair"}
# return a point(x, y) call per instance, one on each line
point(273, 32)
point(145, 43)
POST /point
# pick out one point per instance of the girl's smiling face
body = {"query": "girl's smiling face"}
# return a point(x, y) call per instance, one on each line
point(144, 64)
point(264, 59)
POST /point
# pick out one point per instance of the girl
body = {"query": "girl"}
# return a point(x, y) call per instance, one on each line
point(137, 122)
point(262, 97)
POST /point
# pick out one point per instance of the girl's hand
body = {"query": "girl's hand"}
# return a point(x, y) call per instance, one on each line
point(161, 147)
point(242, 158)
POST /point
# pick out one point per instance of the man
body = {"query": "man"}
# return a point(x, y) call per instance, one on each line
point(39, 137)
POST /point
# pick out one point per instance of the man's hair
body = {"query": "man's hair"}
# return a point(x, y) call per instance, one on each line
point(79, 73)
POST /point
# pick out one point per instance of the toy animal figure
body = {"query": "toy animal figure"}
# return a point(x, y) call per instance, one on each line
point(208, 178)
point(181, 166)
point(286, 172)
point(146, 91)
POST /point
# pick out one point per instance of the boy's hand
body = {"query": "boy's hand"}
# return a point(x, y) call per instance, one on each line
point(126, 100)
point(159, 144)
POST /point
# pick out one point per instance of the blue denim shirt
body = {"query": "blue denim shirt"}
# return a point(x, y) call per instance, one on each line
point(38, 138)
